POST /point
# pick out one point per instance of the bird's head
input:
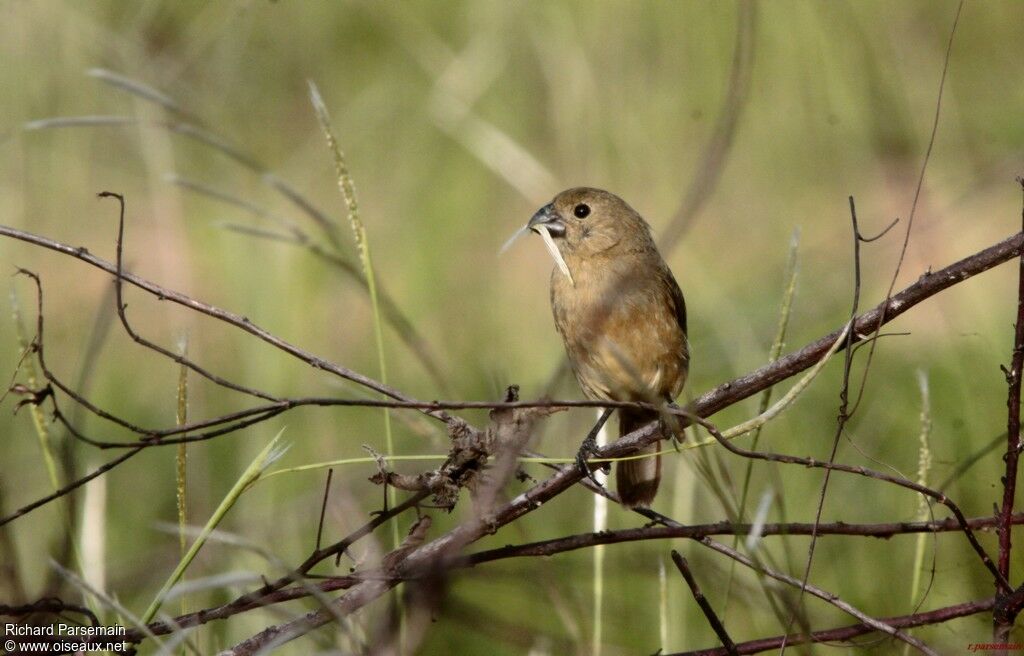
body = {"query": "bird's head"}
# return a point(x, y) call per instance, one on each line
point(584, 221)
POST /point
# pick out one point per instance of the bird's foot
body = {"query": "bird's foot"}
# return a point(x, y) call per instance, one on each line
point(673, 433)
point(587, 449)
point(671, 429)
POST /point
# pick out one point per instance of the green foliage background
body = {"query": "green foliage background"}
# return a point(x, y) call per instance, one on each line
point(428, 100)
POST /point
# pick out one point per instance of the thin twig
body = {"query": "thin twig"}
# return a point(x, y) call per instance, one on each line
point(843, 415)
point(709, 403)
point(705, 606)
point(847, 633)
point(917, 196)
point(276, 591)
point(827, 597)
point(323, 509)
point(674, 530)
point(863, 471)
point(178, 358)
point(927, 285)
point(225, 316)
point(73, 485)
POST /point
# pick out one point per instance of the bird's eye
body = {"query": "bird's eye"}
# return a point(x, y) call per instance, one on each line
point(581, 211)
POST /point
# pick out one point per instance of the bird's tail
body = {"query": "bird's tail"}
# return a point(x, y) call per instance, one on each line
point(637, 480)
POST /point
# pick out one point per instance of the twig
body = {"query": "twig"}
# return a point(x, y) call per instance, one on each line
point(709, 403)
point(427, 557)
point(843, 416)
point(927, 285)
point(709, 612)
point(726, 394)
point(73, 485)
point(449, 544)
point(828, 597)
point(863, 471)
point(276, 591)
point(178, 358)
point(279, 594)
point(917, 196)
point(1003, 621)
point(674, 530)
point(323, 509)
point(225, 316)
point(847, 633)
point(50, 605)
point(446, 547)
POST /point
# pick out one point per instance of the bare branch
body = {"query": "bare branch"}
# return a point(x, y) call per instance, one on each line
point(696, 531)
point(847, 633)
point(827, 597)
point(863, 471)
point(1004, 619)
point(225, 316)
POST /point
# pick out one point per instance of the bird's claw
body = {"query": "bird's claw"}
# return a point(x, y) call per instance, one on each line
point(670, 428)
point(587, 449)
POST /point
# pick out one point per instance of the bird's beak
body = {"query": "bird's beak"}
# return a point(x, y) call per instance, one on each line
point(548, 218)
point(548, 225)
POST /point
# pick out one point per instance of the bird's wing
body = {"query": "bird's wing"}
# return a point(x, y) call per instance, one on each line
point(677, 300)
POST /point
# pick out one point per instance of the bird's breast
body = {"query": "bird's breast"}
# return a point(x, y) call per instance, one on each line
point(620, 329)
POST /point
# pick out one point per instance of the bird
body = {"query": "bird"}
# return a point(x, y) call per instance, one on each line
point(622, 318)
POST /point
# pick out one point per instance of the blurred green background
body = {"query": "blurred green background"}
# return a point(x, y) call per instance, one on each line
point(459, 120)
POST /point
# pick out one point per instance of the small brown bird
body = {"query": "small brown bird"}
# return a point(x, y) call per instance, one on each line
point(621, 315)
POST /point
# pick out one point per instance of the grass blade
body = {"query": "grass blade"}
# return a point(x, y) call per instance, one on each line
point(252, 473)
